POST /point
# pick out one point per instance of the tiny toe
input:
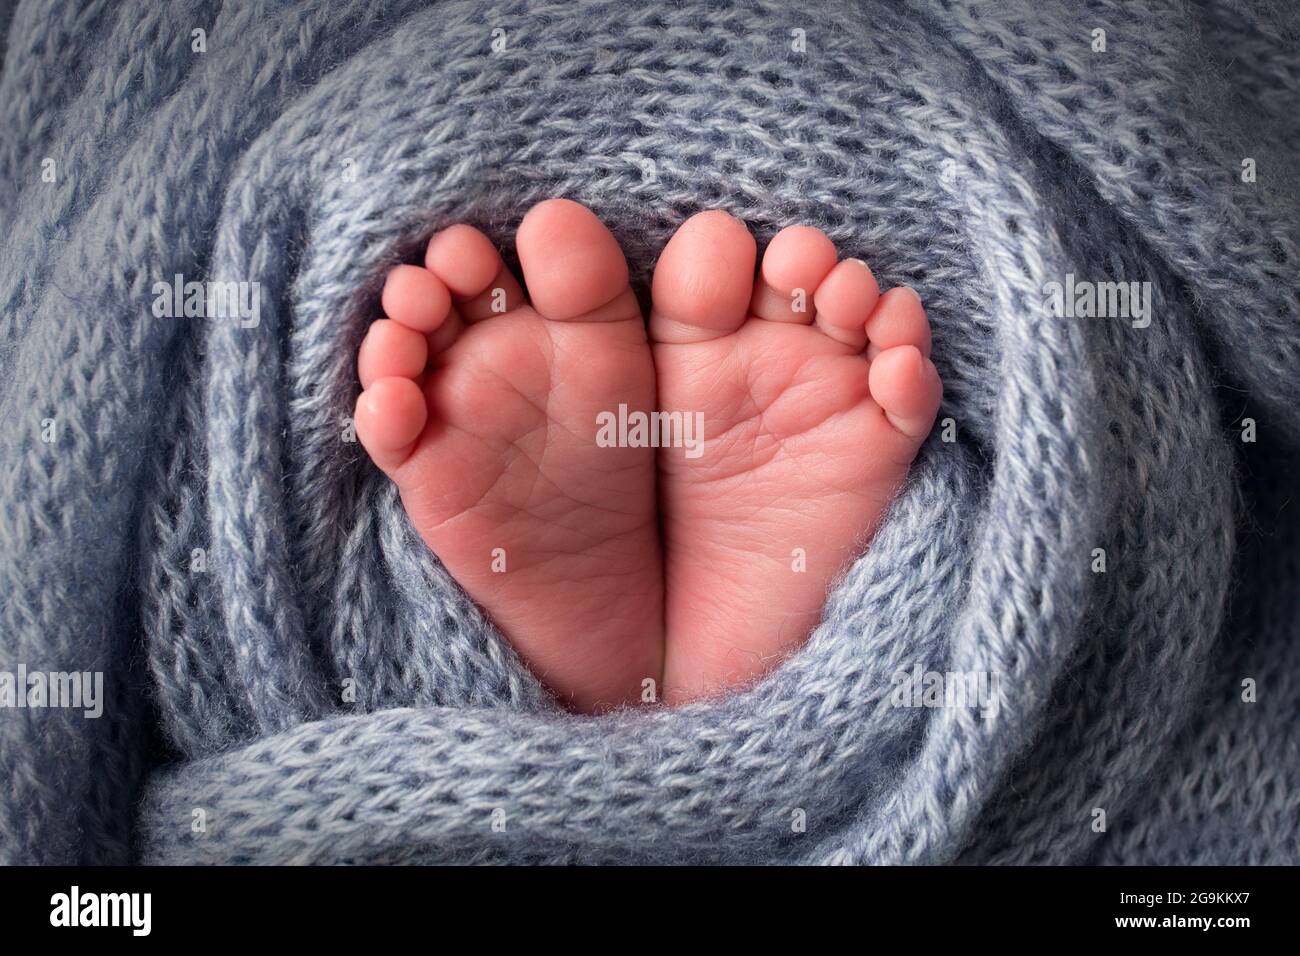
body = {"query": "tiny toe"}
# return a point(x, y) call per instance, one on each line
point(844, 300)
point(416, 298)
point(905, 384)
point(389, 417)
point(391, 349)
point(469, 265)
point(703, 280)
point(572, 264)
point(898, 319)
point(796, 261)
point(464, 259)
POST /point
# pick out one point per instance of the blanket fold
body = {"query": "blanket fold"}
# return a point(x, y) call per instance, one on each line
point(1099, 207)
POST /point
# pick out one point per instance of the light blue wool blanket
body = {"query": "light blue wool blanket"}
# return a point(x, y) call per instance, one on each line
point(1102, 532)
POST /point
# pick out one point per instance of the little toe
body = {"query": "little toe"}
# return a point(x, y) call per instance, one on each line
point(390, 415)
point(905, 384)
point(844, 300)
point(470, 266)
point(898, 319)
point(796, 261)
point(391, 349)
point(703, 280)
point(416, 298)
point(572, 265)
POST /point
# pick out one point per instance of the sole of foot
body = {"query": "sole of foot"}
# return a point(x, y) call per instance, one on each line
point(815, 392)
point(481, 403)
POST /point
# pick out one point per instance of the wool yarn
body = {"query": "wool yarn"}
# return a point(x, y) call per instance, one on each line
point(1102, 523)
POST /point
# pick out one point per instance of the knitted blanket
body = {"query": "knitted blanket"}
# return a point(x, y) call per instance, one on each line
point(1076, 637)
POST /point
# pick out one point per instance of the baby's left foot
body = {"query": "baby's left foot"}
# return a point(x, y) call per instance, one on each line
point(485, 415)
point(816, 393)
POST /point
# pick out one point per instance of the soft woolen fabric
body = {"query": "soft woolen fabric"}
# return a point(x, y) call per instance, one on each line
point(1105, 519)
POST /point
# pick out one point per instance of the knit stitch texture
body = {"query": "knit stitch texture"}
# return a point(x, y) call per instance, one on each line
point(291, 676)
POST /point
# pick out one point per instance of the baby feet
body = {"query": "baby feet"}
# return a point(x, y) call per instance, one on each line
point(484, 406)
point(480, 403)
point(817, 392)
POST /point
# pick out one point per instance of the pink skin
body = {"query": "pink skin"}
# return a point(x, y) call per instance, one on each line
point(486, 420)
point(808, 437)
point(493, 447)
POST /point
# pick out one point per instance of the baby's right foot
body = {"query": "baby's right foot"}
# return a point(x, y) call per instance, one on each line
point(816, 393)
point(485, 415)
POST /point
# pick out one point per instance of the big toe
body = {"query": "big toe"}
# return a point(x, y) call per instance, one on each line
point(703, 280)
point(573, 266)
